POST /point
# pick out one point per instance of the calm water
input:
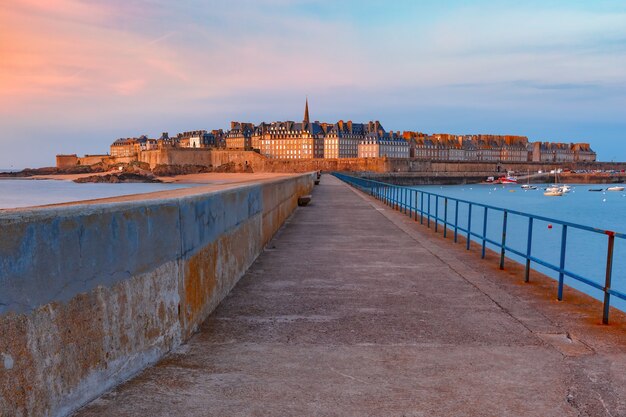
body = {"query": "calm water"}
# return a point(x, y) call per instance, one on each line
point(25, 193)
point(586, 251)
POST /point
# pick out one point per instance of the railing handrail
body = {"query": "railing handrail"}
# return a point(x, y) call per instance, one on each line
point(383, 191)
point(516, 212)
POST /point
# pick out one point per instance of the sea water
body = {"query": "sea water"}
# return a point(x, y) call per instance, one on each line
point(586, 252)
point(16, 193)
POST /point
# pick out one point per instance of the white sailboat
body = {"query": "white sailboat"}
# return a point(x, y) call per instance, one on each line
point(527, 186)
point(556, 190)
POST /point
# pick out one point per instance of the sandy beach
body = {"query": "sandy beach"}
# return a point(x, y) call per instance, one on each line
point(206, 178)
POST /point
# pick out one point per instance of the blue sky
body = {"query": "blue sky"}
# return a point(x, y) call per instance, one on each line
point(78, 74)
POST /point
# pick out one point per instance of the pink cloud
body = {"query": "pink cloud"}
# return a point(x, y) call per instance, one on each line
point(129, 87)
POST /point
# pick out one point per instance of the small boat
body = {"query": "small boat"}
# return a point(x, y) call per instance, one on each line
point(490, 179)
point(555, 188)
point(596, 190)
point(508, 180)
point(555, 193)
point(527, 186)
point(615, 188)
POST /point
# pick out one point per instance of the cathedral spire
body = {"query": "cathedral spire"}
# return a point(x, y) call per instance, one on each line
point(306, 111)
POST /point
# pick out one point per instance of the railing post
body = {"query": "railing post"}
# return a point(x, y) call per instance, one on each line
point(528, 249)
point(428, 216)
point(484, 248)
point(436, 213)
point(469, 227)
point(415, 205)
point(405, 200)
point(445, 217)
point(397, 197)
point(456, 221)
point(607, 282)
point(503, 248)
point(421, 207)
point(562, 264)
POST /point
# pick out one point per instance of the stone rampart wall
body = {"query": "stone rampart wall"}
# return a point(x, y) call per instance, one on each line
point(260, 163)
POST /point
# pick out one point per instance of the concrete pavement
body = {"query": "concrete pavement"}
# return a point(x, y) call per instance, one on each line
point(354, 310)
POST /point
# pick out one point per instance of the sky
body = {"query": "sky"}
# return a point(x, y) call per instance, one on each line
point(77, 74)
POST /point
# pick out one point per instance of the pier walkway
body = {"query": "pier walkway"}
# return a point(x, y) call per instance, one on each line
point(355, 310)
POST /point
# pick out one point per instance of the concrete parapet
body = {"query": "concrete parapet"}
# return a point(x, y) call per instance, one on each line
point(93, 293)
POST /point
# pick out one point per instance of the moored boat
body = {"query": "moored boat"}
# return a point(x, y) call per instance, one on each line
point(615, 188)
point(554, 193)
point(508, 180)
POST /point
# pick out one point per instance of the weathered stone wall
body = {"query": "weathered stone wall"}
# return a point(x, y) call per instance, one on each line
point(260, 163)
point(66, 161)
point(206, 157)
point(96, 159)
point(92, 294)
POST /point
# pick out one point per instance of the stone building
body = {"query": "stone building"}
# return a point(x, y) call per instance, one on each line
point(378, 143)
point(291, 140)
point(342, 139)
point(283, 140)
point(562, 152)
point(239, 136)
point(196, 139)
point(583, 152)
point(125, 147)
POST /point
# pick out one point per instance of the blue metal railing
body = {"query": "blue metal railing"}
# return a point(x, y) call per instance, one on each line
point(412, 201)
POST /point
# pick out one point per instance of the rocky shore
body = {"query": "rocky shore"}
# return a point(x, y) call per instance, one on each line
point(33, 172)
point(122, 177)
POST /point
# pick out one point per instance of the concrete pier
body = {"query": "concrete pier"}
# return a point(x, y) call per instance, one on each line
point(355, 310)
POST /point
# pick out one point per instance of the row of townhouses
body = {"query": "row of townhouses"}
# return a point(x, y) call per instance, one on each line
point(492, 148)
point(306, 140)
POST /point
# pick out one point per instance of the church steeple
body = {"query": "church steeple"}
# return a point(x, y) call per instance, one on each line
point(306, 111)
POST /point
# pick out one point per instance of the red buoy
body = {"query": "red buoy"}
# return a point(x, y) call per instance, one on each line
point(549, 226)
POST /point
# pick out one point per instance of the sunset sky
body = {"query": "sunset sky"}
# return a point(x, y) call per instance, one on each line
point(77, 74)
